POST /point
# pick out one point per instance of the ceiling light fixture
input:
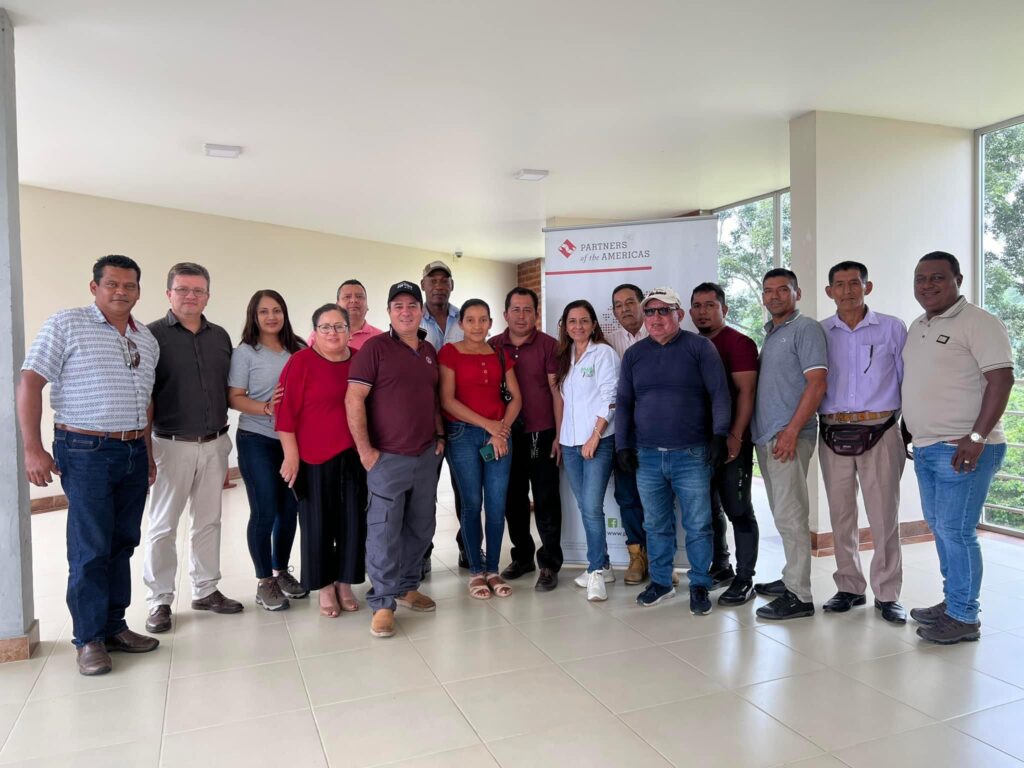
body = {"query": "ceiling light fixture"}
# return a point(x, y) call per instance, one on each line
point(530, 174)
point(222, 150)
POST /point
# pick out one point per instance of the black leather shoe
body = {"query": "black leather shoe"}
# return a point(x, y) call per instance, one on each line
point(771, 588)
point(463, 560)
point(739, 592)
point(892, 611)
point(787, 606)
point(721, 576)
point(131, 642)
point(159, 619)
point(515, 570)
point(546, 580)
point(841, 602)
point(93, 659)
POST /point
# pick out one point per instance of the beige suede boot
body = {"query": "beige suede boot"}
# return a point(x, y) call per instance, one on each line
point(637, 570)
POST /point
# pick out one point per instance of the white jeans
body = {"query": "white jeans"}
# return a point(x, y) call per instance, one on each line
point(190, 473)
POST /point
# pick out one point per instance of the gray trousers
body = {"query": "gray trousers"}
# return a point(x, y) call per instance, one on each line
point(786, 484)
point(400, 523)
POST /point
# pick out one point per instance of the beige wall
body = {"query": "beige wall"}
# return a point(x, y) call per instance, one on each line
point(63, 234)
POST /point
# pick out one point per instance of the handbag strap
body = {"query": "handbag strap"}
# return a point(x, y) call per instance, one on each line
point(501, 362)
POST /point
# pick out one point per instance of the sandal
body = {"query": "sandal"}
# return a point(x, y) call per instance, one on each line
point(499, 586)
point(478, 588)
point(348, 601)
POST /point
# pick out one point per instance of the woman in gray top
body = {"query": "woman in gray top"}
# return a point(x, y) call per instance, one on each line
point(267, 343)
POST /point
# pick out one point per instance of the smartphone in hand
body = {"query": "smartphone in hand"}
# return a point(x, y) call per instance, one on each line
point(487, 453)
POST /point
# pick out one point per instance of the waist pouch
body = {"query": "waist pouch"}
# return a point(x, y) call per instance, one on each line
point(854, 439)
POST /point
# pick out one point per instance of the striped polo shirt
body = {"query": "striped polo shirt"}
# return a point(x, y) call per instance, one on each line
point(88, 365)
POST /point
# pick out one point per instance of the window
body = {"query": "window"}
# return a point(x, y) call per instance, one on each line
point(1001, 156)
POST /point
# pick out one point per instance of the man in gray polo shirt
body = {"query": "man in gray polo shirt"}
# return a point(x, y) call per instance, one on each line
point(790, 385)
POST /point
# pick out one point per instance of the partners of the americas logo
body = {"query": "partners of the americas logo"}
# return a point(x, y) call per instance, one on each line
point(567, 247)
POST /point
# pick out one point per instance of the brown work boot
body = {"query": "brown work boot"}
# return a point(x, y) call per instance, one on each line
point(636, 573)
point(131, 642)
point(383, 623)
point(415, 600)
point(93, 659)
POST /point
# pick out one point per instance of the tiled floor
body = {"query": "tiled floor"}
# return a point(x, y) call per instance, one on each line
point(533, 680)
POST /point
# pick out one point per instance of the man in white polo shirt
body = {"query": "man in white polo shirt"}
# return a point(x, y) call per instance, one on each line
point(958, 373)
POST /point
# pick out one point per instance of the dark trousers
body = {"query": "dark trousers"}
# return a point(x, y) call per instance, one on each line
point(533, 467)
point(106, 482)
point(332, 513)
point(272, 506)
point(730, 499)
point(631, 510)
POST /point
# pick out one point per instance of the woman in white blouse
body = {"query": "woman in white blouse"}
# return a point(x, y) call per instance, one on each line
point(588, 374)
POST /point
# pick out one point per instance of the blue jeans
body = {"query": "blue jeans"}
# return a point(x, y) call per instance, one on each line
point(627, 496)
point(106, 482)
point(952, 502)
point(272, 507)
point(482, 485)
point(663, 477)
point(588, 479)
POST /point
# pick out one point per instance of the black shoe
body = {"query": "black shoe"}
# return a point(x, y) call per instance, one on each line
point(771, 588)
point(928, 615)
point(841, 602)
point(947, 631)
point(787, 606)
point(892, 611)
point(654, 594)
point(516, 569)
point(721, 576)
point(546, 580)
point(463, 560)
point(700, 603)
point(425, 568)
point(738, 593)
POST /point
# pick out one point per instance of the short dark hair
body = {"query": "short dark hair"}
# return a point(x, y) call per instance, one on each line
point(949, 258)
point(520, 291)
point(842, 266)
point(329, 307)
point(469, 304)
point(187, 268)
point(781, 272)
point(353, 281)
point(118, 262)
point(714, 288)
point(629, 286)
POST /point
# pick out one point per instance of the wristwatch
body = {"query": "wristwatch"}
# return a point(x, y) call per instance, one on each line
point(976, 438)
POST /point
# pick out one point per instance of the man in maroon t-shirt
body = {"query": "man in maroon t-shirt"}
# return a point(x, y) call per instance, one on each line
point(730, 485)
point(394, 415)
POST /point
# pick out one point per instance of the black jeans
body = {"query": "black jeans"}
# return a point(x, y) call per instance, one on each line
point(533, 467)
point(272, 506)
point(730, 498)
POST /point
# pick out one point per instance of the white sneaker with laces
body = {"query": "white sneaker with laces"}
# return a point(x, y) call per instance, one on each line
point(596, 591)
point(583, 580)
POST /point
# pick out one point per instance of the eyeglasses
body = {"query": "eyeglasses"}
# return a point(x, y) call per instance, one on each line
point(130, 352)
point(662, 311)
point(326, 328)
point(197, 292)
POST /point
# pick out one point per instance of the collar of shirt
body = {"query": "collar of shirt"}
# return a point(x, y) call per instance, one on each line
point(420, 333)
point(99, 317)
point(954, 310)
point(504, 339)
point(870, 318)
point(770, 326)
point(172, 320)
point(367, 329)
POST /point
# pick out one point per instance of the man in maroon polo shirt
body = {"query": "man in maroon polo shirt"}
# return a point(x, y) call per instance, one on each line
point(395, 419)
point(534, 447)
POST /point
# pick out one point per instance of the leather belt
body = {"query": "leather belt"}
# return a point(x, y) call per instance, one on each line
point(853, 418)
point(124, 436)
point(192, 438)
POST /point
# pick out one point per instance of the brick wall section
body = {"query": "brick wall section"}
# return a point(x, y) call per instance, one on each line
point(528, 276)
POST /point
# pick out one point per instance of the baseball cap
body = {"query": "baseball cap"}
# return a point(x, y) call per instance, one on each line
point(405, 287)
point(667, 295)
point(437, 265)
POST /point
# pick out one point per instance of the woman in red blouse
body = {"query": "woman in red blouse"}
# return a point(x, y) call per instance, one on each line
point(478, 423)
point(321, 463)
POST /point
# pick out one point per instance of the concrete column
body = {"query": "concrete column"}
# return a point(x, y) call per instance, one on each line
point(19, 630)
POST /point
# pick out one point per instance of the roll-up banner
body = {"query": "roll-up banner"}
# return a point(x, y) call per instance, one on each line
point(588, 262)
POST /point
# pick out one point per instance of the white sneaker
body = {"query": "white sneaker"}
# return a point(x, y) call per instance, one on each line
point(583, 580)
point(596, 592)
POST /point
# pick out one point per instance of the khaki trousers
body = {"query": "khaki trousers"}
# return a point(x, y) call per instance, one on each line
point(786, 484)
point(193, 474)
point(877, 472)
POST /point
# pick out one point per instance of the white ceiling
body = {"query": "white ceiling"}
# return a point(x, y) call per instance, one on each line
point(404, 120)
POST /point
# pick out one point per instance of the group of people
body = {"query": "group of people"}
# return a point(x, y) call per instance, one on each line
point(343, 435)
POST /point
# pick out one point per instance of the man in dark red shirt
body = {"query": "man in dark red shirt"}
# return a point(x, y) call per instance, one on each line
point(534, 444)
point(730, 485)
point(394, 414)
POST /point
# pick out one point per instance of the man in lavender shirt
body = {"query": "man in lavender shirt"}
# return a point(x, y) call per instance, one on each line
point(865, 371)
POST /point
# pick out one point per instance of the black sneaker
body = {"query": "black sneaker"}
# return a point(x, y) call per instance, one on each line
point(654, 594)
point(947, 631)
point(928, 615)
point(739, 592)
point(721, 576)
point(771, 588)
point(787, 606)
point(700, 603)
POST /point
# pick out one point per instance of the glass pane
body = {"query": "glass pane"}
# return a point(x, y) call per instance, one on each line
point(1003, 295)
point(787, 235)
point(745, 242)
